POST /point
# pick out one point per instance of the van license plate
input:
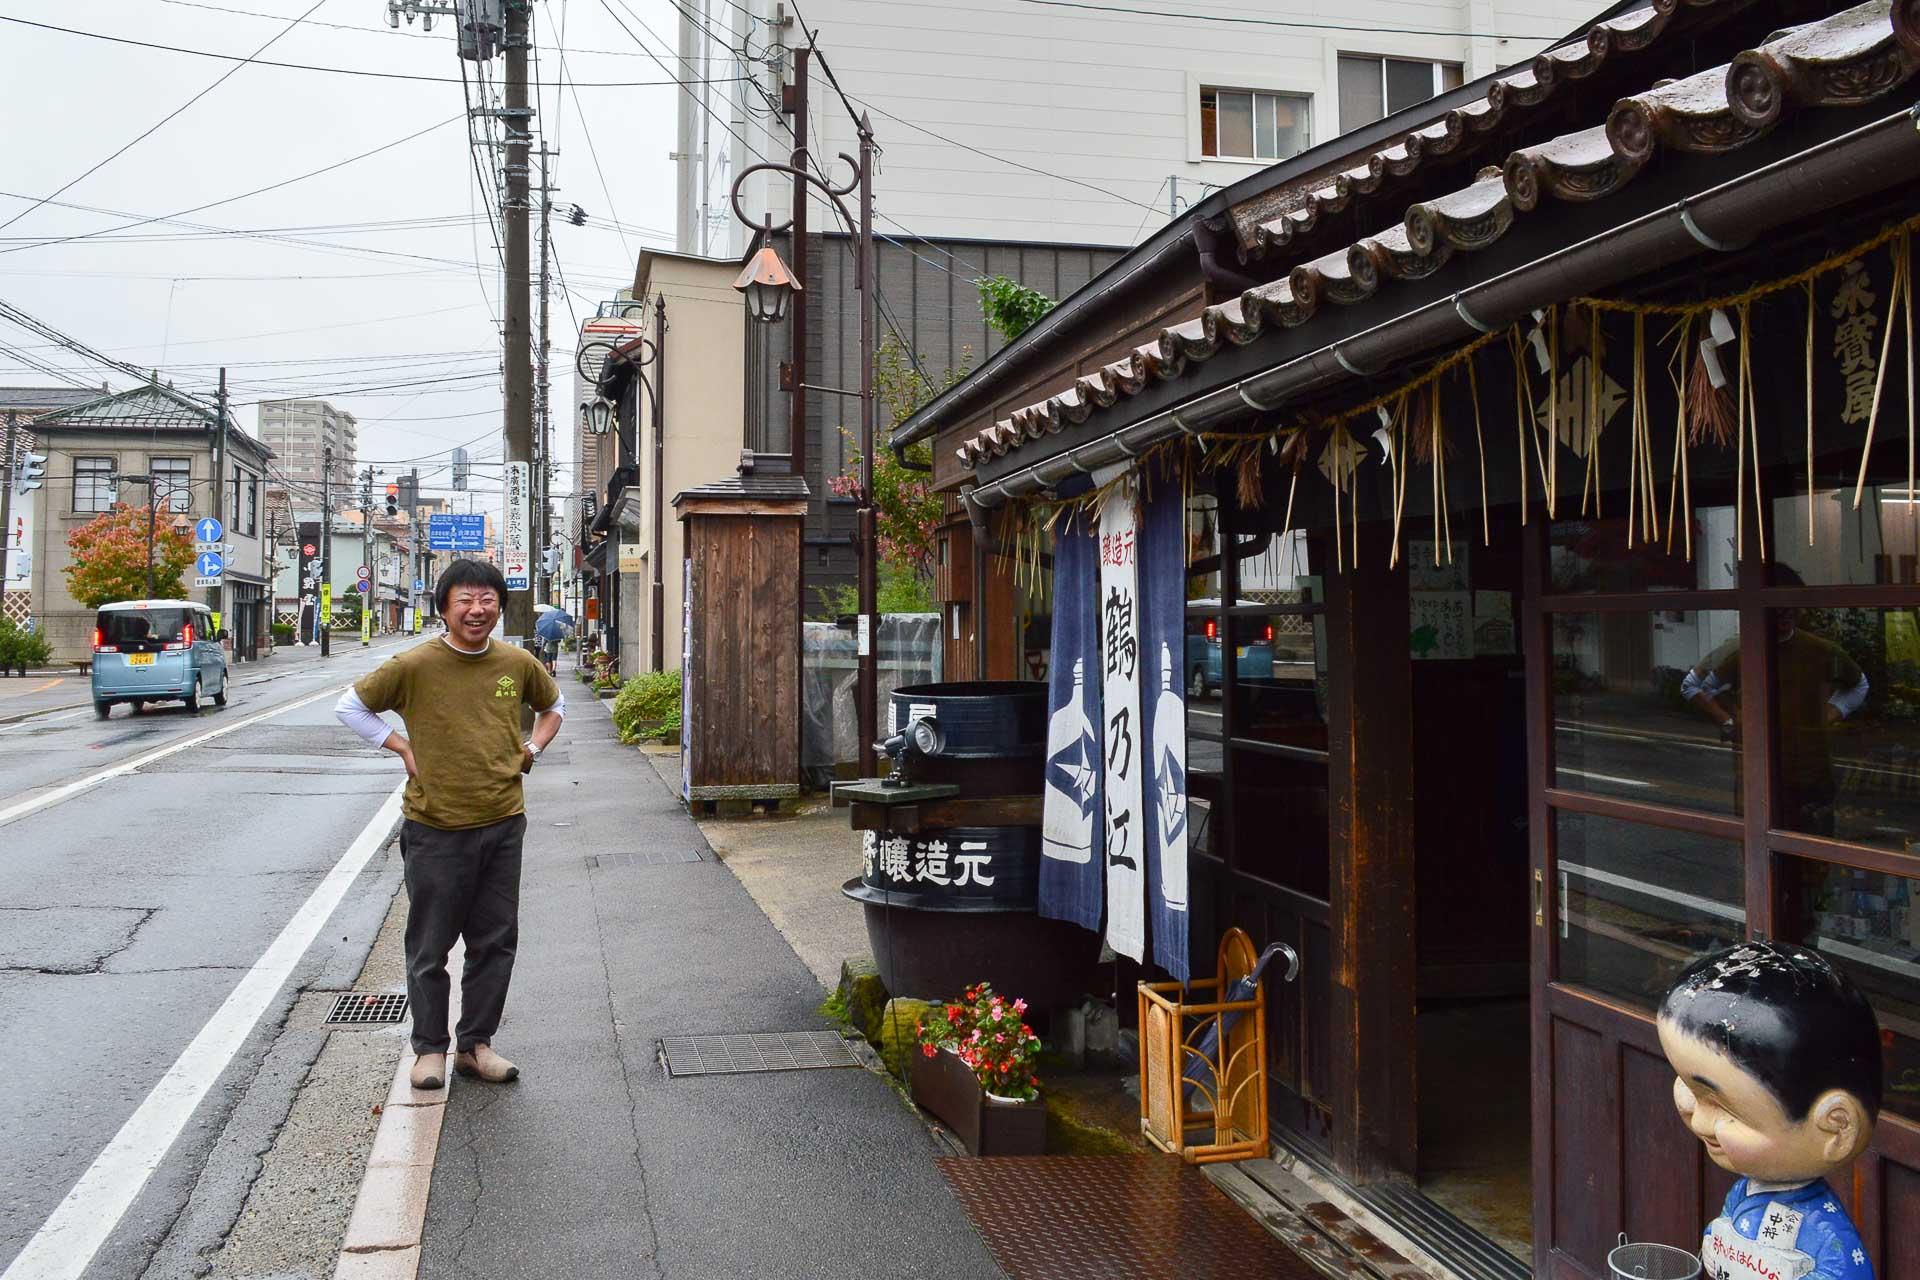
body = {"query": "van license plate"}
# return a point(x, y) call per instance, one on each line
point(1240, 651)
point(139, 659)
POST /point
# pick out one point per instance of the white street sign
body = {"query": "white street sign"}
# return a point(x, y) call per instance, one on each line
point(517, 530)
point(207, 582)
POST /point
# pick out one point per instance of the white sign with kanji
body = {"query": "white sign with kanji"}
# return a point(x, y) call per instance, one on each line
point(1124, 731)
point(517, 528)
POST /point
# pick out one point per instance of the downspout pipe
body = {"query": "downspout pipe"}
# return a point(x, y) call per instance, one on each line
point(900, 456)
point(659, 479)
point(1726, 217)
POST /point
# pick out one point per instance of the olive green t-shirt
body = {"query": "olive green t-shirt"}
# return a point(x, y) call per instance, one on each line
point(462, 712)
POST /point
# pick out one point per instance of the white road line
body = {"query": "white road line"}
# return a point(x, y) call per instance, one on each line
point(65, 1245)
point(35, 724)
point(55, 796)
point(1605, 777)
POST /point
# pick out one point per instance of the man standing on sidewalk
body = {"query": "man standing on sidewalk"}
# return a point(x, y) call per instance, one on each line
point(460, 696)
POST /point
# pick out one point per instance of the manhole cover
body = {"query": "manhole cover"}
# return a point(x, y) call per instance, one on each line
point(363, 1008)
point(650, 858)
point(737, 1055)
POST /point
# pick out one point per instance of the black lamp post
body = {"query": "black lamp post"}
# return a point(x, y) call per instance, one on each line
point(770, 286)
point(155, 487)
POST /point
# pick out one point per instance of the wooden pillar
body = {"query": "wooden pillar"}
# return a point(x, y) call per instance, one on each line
point(1371, 847)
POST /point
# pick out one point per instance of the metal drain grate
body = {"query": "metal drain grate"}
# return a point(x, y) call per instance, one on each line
point(364, 1008)
point(650, 858)
point(738, 1055)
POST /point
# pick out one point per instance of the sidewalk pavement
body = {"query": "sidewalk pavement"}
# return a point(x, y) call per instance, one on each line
point(596, 1163)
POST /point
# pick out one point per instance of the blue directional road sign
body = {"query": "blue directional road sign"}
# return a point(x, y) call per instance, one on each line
point(451, 532)
point(207, 529)
point(419, 584)
point(208, 564)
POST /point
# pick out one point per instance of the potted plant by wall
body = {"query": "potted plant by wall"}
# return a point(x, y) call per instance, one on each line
point(975, 1072)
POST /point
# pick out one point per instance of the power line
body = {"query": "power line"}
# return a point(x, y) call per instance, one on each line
point(592, 150)
point(225, 76)
point(1273, 22)
point(214, 204)
point(304, 66)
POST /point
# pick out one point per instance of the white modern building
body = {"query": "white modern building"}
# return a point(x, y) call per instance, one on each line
point(1047, 121)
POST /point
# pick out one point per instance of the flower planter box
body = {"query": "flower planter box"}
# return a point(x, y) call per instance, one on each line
point(986, 1126)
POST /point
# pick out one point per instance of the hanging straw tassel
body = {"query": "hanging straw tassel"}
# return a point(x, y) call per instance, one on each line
point(1906, 302)
point(1590, 394)
point(1811, 304)
point(1751, 424)
point(1479, 436)
point(1901, 267)
point(1634, 505)
point(1553, 411)
point(1397, 445)
point(1680, 487)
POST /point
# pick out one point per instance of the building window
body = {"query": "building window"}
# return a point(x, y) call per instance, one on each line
point(173, 482)
point(93, 484)
point(246, 501)
point(1374, 88)
point(1243, 124)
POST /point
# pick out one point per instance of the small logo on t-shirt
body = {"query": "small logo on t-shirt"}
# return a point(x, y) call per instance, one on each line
point(504, 688)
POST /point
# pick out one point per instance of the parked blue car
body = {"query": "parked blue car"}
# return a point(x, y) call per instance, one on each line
point(156, 651)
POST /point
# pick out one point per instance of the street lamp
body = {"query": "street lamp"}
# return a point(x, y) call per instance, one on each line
point(769, 287)
point(155, 486)
point(599, 414)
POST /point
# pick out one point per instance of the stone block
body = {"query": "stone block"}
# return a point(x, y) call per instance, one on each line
point(864, 996)
point(898, 1037)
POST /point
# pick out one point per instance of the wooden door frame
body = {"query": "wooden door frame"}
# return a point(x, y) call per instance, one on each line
point(1371, 849)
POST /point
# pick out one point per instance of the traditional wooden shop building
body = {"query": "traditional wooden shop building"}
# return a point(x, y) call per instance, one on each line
point(1552, 608)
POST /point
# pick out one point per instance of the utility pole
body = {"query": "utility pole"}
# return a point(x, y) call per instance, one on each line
point(543, 474)
point(366, 546)
point(518, 615)
point(323, 607)
point(413, 555)
point(796, 105)
point(214, 593)
point(6, 508)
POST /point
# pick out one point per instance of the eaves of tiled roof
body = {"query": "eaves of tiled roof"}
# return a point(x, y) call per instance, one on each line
point(1850, 58)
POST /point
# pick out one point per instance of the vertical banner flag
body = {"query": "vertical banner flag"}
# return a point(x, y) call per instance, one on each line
point(1163, 607)
point(1122, 728)
point(517, 528)
point(1071, 831)
point(312, 565)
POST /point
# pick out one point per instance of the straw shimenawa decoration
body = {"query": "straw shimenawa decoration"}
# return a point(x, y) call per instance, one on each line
point(1706, 414)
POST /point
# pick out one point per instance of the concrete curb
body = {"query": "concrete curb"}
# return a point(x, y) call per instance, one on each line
point(390, 1212)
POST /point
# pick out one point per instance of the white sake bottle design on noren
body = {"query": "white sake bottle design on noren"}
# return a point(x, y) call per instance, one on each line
point(1073, 760)
point(1170, 784)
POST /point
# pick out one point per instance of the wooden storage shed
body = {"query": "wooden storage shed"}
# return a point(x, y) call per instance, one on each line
point(740, 653)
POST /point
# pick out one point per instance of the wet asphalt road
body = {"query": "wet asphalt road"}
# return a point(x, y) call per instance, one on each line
point(129, 912)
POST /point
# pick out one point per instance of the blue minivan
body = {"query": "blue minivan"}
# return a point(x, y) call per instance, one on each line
point(156, 651)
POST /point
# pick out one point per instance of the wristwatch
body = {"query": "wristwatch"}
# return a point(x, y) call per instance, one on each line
point(532, 749)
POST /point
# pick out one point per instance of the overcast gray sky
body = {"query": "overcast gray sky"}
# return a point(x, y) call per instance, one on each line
point(361, 303)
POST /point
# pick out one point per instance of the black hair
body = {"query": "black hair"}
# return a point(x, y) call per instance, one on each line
point(1786, 1016)
point(467, 573)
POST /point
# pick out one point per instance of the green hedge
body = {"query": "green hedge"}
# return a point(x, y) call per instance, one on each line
point(653, 697)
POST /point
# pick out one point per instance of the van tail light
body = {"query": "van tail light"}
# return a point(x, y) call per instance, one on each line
point(1269, 633)
point(1213, 629)
point(185, 641)
point(99, 642)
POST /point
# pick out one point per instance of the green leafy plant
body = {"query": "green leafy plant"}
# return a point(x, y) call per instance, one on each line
point(1010, 307)
point(110, 557)
point(283, 633)
point(20, 649)
point(990, 1034)
point(899, 591)
point(651, 700)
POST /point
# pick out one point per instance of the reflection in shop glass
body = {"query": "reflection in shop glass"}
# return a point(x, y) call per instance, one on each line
point(1638, 904)
point(1628, 719)
point(1868, 924)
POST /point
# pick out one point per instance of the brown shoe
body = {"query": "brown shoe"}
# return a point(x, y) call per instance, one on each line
point(483, 1063)
point(429, 1071)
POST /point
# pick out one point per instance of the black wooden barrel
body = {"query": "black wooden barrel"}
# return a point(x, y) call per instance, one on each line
point(950, 906)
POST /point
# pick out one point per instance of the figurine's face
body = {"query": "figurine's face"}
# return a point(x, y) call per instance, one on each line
point(1745, 1129)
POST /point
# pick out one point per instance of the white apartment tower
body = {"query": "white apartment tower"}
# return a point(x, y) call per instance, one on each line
point(298, 432)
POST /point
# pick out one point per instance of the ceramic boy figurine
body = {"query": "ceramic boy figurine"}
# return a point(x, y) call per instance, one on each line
point(1777, 1062)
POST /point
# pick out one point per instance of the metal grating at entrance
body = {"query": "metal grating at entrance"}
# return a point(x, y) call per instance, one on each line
point(648, 858)
point(743, 1055)
point(367, 1008)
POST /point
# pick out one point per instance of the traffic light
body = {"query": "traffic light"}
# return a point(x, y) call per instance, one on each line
point(30, 474)
point(393, 499)
point(409, 493)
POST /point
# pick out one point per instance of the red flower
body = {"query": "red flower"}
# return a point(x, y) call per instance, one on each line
point(927, 1049)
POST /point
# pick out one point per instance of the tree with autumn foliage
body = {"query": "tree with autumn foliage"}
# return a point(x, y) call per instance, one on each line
point(906, 509)
point(110, 557)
